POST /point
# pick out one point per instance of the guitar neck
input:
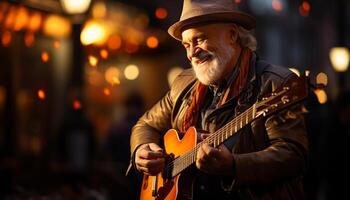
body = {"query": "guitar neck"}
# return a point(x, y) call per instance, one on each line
point(215, 139)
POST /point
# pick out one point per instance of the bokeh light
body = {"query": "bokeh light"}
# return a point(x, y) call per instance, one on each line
point(41, 94)
point(161, 13)
point(93, 61)
point(152, 42)
point(322, 78)
point(45, 57)
point(131, 72)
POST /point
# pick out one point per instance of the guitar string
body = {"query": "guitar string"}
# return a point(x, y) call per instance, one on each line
point(188, 158)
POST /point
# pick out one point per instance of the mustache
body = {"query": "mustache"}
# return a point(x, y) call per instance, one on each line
point(201, 55)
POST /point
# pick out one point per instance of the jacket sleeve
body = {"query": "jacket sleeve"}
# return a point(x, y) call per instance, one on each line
point(285, 154)
point(153, 124)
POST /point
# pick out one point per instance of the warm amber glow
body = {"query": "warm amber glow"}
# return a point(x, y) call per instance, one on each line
point(35, 21)
point(41, 94)
point(3, 8)
point(56, 44)
point(152, 42)
point(99, 9)
point(321, 96)
point(106, 91)
point(94, 32)
point(11, 17)
point(45, 56)
point(115, 80)
point(141, 21)
point(104, 53)
point(76, 105)
point(75, 6)
point(339, 57)
point(112, 75)
point(6, 38)
point(29, 39)
point(322, 78)
point(131, 72)
point(173, 73)
point(131, 48)
point(94, 77)
point(93, 61)
point(57, 26)
point(161, 13)
point(21, 19)
point(114, 42)
point(277, 5)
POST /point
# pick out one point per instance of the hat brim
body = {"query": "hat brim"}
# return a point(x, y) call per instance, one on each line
point(246, 21)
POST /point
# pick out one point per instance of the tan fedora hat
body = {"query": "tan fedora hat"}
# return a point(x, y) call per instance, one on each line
point(203, 11)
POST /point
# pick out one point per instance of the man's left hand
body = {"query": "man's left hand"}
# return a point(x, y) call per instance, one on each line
point(216, 161)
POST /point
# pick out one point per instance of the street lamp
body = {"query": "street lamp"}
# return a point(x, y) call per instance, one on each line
point(75, 6)
point(339, 57)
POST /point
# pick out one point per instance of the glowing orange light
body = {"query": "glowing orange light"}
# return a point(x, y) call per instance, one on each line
point(237, 1)
point(21, 19)
point(306, 5)
point(131, 48)
point(10, 18)
point(29, 39)
point(106, 91)
point(152, 42)
point(6, 38)
point(3, 8)
point(115, 80)
point(104, 53)
point(93, 61)
point(45, 56)
point(304, 9)
point(76, 105)
point(277, 5)
point(41, 94)
point(35, 21)
point(161, 13)
point(56, 44)
point(114, 42)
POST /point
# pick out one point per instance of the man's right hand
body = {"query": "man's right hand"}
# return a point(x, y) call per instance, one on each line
point(149, 159)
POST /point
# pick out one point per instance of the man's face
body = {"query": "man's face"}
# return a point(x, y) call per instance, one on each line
point(210, 49)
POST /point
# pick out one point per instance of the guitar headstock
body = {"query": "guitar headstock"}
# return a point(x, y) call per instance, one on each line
point(293, 91)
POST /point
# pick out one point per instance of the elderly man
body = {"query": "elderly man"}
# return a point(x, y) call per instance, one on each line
point(266, 158)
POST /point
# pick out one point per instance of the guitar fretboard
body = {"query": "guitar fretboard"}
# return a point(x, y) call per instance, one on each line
point(215, 139)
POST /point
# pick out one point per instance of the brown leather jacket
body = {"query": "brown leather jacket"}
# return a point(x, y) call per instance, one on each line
point(270, 153)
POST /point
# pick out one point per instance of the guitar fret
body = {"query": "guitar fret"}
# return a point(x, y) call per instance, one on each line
point(240, 121)
point(246, 119)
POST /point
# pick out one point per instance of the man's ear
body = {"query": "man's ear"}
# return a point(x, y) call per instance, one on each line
point(234, 33)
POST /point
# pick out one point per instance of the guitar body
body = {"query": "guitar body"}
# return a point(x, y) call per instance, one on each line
point(180, 186)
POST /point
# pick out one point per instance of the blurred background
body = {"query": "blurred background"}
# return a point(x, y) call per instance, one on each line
point(75, 75)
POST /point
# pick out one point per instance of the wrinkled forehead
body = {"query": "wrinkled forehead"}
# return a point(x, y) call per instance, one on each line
point(207, 29)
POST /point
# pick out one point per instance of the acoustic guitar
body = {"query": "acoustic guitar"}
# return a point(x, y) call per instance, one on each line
point(176, 179)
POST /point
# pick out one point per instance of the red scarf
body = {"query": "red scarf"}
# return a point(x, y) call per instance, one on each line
point(200, 91)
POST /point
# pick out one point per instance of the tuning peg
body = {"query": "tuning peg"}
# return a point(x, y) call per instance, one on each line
point(307, 73)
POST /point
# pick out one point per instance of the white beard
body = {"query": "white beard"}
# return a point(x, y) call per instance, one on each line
point(211, 70)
